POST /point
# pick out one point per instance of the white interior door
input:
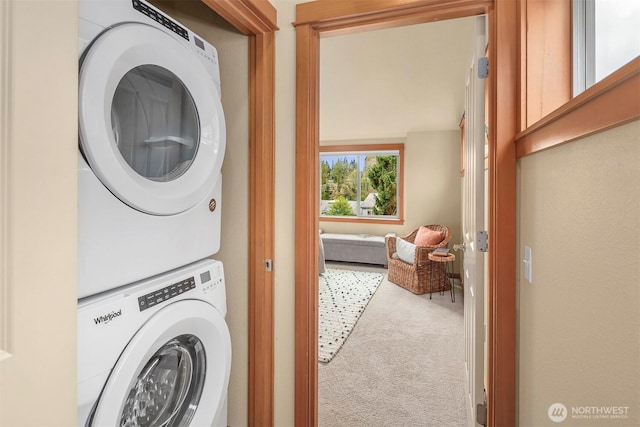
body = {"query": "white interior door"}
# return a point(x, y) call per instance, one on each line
point(473, 223)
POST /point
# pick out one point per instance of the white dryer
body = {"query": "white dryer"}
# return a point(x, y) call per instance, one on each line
point(156, 353)
point(152, 140)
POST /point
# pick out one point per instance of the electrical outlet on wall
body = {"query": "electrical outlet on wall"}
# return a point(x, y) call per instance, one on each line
point(528, 264)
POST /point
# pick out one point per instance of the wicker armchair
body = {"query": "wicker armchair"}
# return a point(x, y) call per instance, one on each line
point(415, 277)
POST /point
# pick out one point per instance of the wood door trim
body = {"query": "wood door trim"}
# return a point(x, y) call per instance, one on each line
point(250, 17)
point(306, 226)
point(503, 118)
point(257, 19)
point(261, 230)
point(330, 17)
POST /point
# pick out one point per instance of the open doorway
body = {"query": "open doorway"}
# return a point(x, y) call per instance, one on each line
point(403, 85)
point(323, 18)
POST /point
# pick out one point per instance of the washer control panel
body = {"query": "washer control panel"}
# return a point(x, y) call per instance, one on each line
point(212, 278)
point(161, 295)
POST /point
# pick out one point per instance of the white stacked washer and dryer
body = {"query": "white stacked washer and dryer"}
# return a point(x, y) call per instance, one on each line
point(153, 345)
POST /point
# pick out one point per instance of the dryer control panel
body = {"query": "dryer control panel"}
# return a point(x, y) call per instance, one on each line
point(160, 18)
point(203, 49)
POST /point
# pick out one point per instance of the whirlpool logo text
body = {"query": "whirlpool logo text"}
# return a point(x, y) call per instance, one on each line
point(107, 317)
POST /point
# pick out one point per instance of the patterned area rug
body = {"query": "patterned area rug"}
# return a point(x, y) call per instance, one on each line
point(343, 296)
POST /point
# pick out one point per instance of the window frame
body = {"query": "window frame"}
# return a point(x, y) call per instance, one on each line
point(583, 46)
point(359, 149)
point(584, 40)
point(607, 104)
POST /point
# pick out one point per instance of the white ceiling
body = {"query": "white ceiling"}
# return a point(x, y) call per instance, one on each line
point(386, 83)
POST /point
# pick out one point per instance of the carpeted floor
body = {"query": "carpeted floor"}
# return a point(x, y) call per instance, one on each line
point(403, 364)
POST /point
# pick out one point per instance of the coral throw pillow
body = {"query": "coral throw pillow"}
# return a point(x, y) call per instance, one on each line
point(428, 237)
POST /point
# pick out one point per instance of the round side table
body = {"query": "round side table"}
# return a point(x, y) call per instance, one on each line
point(448, 267)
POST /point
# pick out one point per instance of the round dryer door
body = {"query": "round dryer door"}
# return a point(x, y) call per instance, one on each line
point(151, 122)
point(174, 372)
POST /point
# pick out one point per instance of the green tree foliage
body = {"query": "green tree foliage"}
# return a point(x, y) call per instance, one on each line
point(365, 182)
point(383, 175)
point(324, 184)
point(326, 171)
point(326, 192)
point(338, 172)
point(339, 179)
point(340, 207)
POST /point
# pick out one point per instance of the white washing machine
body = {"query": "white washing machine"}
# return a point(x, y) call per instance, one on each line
point(156, 353)
point(152, 141)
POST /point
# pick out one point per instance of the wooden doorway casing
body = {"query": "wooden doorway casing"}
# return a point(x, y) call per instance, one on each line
point(333, 17)
point(257, 19)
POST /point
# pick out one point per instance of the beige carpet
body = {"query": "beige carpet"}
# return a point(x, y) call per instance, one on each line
point(403, 364)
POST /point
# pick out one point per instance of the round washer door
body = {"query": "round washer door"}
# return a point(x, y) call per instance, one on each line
point(174, 372)
point(150, 119)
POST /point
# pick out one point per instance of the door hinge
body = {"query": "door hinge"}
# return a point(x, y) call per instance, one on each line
point(481, 414)
point(482, 241)
point(483, 67)
point(268, 264)
point(481, 410)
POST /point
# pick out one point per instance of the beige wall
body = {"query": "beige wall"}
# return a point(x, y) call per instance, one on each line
point(39, 139)
point(284, 218)
point(233, 52)
point(424, 69)
point(431, 185)
point(579, 322)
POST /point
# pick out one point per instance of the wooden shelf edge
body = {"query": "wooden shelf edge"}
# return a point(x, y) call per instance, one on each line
point(607, 104)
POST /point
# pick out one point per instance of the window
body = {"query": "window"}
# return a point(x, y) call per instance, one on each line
point(605, 37)
point(361, 182)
